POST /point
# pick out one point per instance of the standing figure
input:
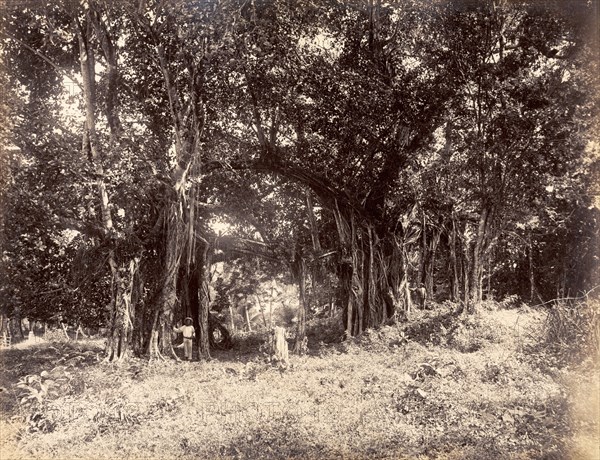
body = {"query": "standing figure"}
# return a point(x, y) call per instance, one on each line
point(188, 337)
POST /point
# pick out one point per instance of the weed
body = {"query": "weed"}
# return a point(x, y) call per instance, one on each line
point(35, 390)
point(416, 399)
point(572, 329)
point(511, 301)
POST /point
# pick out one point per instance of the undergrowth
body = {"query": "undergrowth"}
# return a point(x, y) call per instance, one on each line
point(572, 329)
point(441, 386)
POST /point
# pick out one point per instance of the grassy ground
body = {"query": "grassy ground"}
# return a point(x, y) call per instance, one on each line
point(442, 388)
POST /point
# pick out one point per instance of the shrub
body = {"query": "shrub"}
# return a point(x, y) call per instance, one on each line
point(36, 390)
point(472, 333)
point(511, 301)
point(250, 341)
point(325, 330)
point(571, 328)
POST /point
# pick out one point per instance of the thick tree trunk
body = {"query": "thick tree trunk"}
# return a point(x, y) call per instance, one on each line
point(121, 326)
point(142, 324)
point(161, 336)
point(372, 273)
point(195, 298)
point(21, 328)
point(187, 118)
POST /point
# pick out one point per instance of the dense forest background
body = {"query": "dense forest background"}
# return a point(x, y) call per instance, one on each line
point(225, 159)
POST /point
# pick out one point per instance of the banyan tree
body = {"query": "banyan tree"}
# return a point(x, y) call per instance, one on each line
point(412, 127)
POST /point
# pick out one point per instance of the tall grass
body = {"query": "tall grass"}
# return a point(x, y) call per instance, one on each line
point(572, 328)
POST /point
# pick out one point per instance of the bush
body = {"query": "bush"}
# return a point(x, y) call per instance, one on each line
point(325, 330)
point(250, 341)
point(571, 328)
point(511, 301)
point(34, 392)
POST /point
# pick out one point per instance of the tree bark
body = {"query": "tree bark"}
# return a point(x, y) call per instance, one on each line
point(186, 111)
point(477, 259)
point(249, 325)
point(204, 330)
point(300, 342)
point(118, 342)
point(533, 292)
point(455, 272)
point(231, 318)
point(372, 272)
point(428, 279)
point(262, 311)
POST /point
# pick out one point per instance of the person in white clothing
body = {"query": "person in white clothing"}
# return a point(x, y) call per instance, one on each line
point(188, 337)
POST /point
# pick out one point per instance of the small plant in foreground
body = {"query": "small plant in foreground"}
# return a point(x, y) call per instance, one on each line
point(36, 390)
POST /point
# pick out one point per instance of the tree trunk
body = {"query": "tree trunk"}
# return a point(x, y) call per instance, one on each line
point(455, 272)
point(371, 272)
point(142, 324)
point(271, 310)
point(231, 318)
point(477, 260)
point(187, 122)
point(466, 270)
point(204, 331)
point(262, 311)
point(119, 338)
point(428, 279)
point(190, 294)
point(300, 342)
point(422, 268)
point(173, 243)
point(248, 324)
point(533, 292)
point(120, 305)
point(4, 324)
point(5, 336)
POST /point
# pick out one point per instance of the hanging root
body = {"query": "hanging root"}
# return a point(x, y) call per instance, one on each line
point(154, 352)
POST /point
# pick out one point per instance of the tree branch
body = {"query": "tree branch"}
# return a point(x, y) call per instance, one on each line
point(45, 58)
